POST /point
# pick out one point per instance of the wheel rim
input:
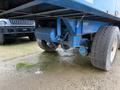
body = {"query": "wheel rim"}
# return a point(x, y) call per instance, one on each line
point(113, 50)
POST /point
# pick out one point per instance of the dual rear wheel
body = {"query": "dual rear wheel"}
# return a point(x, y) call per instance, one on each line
point(47, 46)
point(103, 50)
point(105, 47)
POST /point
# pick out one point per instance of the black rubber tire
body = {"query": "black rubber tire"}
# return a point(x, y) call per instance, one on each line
point(32, 37)
point(119, 43)
point(102, 46)
point(65, 47)
point(43, 45)
point(2, 39)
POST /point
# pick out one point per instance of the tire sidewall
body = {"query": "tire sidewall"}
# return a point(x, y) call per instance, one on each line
point(108, 61)
point(43, 45)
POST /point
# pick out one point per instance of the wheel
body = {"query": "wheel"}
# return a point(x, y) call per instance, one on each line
point(32, 37)
point(2, 39)
point(47, 46)
point(65, 47)
point(119, 43)
point(104, 48)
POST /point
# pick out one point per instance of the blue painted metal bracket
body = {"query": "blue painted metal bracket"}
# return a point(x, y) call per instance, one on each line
point(70, 24)
point(74, 27)
point(58, 28)
point(90, 27)
point(77, 28)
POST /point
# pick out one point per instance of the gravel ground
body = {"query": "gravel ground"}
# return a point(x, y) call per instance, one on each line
point(66, 71)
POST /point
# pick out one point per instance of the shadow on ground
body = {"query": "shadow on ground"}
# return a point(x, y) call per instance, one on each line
point(17, 40)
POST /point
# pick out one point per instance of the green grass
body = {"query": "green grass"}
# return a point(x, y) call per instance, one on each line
point(24, 65)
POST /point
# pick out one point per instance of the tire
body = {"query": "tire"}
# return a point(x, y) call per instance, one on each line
point(2, 39)
point(119, 43)
point(48, 48)
point(65, 47)
point(32, 37)
point(104, 48)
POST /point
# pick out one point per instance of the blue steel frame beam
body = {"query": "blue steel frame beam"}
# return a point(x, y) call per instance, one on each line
point(15, 12)
point(45, 14)
point(65, 16)
point(30, 4)
point(73, 5)
point(70, 4)
point(41, 13)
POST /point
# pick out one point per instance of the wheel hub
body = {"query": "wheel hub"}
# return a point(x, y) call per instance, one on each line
point(113, 50)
